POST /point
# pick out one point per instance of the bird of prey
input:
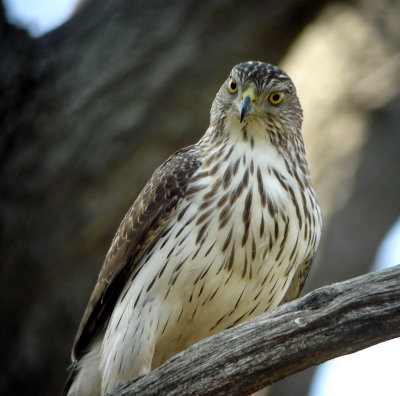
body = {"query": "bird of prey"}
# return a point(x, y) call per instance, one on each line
point(224, 230)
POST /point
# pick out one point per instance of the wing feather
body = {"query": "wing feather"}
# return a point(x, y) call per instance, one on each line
point(141, 227)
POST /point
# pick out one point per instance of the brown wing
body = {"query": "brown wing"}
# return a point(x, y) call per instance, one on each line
point(140, 228)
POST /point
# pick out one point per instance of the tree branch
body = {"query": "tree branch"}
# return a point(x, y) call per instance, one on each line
point(331, 321)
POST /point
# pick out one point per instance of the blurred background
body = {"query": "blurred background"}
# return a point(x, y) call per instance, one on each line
point(94, 95)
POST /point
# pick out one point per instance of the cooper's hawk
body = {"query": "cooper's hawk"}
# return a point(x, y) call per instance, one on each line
point(224, 230)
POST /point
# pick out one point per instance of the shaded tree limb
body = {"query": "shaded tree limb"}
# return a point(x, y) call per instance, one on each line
point(331, 321)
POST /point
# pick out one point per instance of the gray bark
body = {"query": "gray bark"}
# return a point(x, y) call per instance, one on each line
point(331, 321)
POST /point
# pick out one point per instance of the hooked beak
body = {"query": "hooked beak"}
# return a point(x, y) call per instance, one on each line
point(246, 105)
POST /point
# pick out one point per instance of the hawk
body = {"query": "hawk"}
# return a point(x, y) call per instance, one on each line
point(224, 230)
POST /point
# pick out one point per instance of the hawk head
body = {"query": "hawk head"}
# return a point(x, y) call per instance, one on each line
point(258, 91)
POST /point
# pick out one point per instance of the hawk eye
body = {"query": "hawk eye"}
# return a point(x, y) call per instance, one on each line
point(232, 85)
point(276, 97)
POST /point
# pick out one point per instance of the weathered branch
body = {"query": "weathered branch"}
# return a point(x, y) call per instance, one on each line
point(331, 321)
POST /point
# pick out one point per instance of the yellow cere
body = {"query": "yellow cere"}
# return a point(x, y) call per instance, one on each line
point(251, 91)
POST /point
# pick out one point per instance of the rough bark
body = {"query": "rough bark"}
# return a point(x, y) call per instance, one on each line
point(331, 321)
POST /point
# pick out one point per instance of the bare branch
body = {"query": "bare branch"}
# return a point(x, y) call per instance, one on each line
point(331, 321)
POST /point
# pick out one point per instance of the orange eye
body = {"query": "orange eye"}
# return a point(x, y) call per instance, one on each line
point(232, 86)
point(276, 97)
